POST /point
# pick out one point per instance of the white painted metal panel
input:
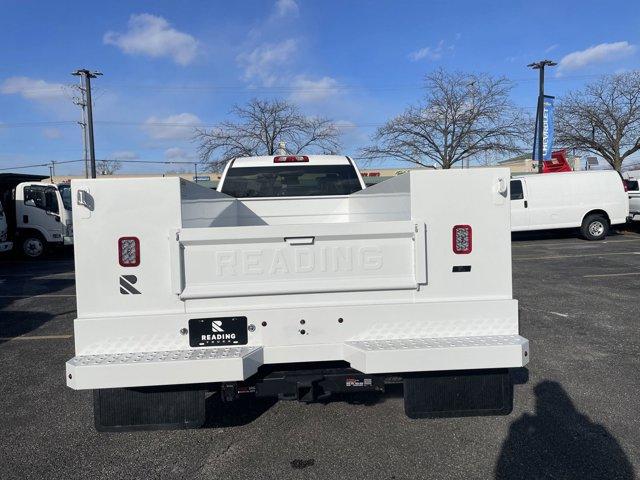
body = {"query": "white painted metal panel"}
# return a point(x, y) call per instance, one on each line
point(289, 259)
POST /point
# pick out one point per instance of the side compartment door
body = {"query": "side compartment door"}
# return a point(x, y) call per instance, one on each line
point(519, 206)
point(37, 207)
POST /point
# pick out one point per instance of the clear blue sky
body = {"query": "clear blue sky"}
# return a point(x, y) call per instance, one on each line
point(358, 62)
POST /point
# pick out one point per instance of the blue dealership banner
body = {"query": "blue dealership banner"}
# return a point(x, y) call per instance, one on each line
point(547, 130)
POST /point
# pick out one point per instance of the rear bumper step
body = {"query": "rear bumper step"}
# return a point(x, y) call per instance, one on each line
point(437, 354)
point(141, 369)
point(230, 364)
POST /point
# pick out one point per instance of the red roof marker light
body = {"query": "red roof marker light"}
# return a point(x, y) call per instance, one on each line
point(290, 158)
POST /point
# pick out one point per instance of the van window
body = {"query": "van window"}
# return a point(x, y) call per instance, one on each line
point(516, 190)
point(42, 197)
point(632, 185)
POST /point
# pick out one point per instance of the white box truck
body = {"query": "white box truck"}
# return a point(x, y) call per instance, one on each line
point(183, 290)
point(38, 216)
point(589, 200)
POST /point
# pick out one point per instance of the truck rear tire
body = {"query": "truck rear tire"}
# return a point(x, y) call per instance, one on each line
point(594, 227)
point(33, 245)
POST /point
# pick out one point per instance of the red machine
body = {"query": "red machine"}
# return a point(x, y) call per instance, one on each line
point(558, 163)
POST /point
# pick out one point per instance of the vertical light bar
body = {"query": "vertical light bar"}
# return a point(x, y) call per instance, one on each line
point(462, 239)
point(129, 251)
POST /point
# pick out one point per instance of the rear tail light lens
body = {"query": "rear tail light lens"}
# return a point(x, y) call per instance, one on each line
point(290, 158)
point(462, 239)
point(129, 251)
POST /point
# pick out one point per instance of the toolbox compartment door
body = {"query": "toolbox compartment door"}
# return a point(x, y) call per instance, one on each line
point(303, 258)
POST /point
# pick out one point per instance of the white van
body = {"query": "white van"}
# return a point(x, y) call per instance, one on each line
point(590, 200)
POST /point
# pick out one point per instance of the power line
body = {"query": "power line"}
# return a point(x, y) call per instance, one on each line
point(59, 162)
point(291, 88)
point(38, 124)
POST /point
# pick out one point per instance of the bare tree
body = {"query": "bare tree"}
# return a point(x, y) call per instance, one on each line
point(261, 125)
point(462, 115)
point(108, 167)
point(603, 118)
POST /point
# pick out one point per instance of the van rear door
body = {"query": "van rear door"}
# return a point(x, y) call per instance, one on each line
point(520, 218)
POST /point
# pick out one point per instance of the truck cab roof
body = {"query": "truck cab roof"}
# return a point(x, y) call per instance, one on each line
point(279, 160)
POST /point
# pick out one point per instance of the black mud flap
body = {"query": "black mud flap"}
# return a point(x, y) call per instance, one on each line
point(458, 394)
point(148, 408)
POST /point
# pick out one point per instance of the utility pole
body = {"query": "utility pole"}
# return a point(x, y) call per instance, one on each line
point(86, 76)
point(82, 103)
point(540, 111)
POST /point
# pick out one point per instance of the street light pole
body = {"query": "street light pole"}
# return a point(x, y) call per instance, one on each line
point(540, 111)
point(86, 77)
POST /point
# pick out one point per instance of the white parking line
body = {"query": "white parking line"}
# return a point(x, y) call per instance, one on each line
point(554, 257)
point(37, 296)
point(559, 314)
point(541, 244)
point(37, 337)
point(611, 274)
point(35, 276)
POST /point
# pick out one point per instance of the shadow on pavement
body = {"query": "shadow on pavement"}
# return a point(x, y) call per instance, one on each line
point(557, 234)
point(240, 412)
point(21, 281)
point(560, 442)
point(17, 323)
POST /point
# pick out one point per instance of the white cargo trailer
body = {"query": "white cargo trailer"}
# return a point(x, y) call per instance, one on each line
point(183, 290)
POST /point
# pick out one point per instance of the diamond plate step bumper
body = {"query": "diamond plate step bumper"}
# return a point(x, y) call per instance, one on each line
point(139, 369)
point(437, 354)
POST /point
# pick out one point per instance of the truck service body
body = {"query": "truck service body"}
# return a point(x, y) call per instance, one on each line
point(296, 296)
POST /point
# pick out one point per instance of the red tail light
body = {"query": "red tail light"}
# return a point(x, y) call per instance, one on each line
point(462, 239)
point(129, 251)
point(290, 158)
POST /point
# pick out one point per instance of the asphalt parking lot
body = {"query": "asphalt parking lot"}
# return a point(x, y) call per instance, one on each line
point(576, 412)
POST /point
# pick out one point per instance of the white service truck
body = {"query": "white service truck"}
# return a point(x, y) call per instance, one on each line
point(331, 288)
point(38, 214)
point(591, 201)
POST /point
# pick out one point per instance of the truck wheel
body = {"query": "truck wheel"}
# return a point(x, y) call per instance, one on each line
point(33, 245)
point(594, 227)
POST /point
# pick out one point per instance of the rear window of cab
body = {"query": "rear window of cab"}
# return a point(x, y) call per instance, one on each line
point(291, 181)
